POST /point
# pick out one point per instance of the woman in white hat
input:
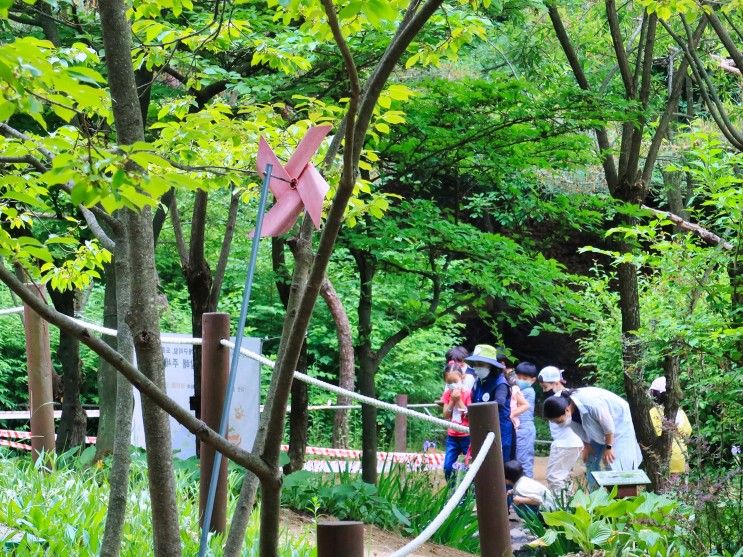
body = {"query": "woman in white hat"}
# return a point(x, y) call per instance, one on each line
point(566, 446)
point(682, 427)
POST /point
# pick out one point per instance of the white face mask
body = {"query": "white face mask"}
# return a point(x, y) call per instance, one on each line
point(453, 386)
point(482, 371)
point(568, 420)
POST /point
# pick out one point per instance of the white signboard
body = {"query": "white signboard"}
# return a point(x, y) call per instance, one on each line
point(245, 410)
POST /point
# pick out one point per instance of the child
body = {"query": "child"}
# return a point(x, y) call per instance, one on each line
point(457, 355)
point(455, 400)
point(566, 446)
point(526, 433)
point(525, 493)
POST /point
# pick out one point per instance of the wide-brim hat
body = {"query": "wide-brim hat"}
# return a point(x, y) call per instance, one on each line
point(486, 354)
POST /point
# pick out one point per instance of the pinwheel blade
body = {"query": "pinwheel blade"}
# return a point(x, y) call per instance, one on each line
point(306, 149)
point(312, 188)
point(282, 216)
point(280, 180)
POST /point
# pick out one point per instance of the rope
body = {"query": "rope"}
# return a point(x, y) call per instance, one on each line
point(301, 376)
point(113, 333)
point(351, 394)
point(451, 504)
point(9, 311)
point(358, 406)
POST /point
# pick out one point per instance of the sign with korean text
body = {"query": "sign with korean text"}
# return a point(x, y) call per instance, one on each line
point(245, 410)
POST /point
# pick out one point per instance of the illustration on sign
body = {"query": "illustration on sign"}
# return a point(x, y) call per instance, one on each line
point(245, 411)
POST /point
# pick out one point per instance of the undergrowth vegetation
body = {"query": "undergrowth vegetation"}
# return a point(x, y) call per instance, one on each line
point(403, 501)
point(62, 511)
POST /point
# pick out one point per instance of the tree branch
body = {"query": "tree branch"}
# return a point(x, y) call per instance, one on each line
point(25, 159)
point(726, 40)
point(224, 252)
point(662, 129)
point(607, 159)
point(619, 49)
point(703, 233)
point(180, 243)
point(96, 229)
point(142, 383)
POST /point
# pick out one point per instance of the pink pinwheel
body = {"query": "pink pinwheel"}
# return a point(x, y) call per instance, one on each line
point(296, 185)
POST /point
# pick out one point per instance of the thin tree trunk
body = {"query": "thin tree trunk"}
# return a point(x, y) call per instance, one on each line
point(367, 366)
point(298, 419)
point(143, 318)
point(144, 322)
point(124, 405)
point(346, 371)
point(73, 425)
point(236, 534)
point(107, 376)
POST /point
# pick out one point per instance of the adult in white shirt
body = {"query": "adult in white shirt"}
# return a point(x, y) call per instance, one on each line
point(603, 421)
point(566, 446)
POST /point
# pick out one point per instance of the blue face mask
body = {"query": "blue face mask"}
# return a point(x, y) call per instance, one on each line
point(523, 383)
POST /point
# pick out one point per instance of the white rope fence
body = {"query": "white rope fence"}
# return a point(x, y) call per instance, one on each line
point(351, 394)
point(297, 375)
point(451, 504)
point(10, 311)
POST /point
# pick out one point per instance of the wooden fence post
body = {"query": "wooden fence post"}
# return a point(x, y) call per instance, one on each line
point(340, 538)
point(215, 364)
point(39, 361)
point(490, 483)
point(401, 425)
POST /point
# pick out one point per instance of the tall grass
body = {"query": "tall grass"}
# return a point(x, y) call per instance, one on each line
point(66, 508)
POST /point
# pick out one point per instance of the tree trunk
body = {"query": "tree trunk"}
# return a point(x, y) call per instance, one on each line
point(236, 535)
point(73, 425)
point(634, 381)
point(346, 371)
point(367, 365)
point(369, 441)
point(107, 376)
point(675, 186)
point(144, 323)
point(299, 416)
point(124, 405)
point(298, 419)
point(199, 282)
point(143, 318)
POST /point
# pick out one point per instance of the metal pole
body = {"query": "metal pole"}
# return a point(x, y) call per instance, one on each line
point(340, 539)
point(235, 359)
point(401, 425)
point(215, 362)
point(39, 361)
point(490, 483)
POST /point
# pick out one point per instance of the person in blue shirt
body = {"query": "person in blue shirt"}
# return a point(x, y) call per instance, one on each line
point(526, 433)
point(492, 386)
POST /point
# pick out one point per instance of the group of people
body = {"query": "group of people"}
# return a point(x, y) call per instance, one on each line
point(587, 422)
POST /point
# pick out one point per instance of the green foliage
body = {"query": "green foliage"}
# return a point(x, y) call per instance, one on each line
point(647, 524)
point(66, 507)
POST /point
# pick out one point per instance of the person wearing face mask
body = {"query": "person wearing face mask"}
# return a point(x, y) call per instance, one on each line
point(492, 386)
point(455, 400)
point(526, 432)
point(603, 421)
point(456, 355)
point(566, 446)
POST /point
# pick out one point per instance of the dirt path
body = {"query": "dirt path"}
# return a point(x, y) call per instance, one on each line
point(378, 543)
